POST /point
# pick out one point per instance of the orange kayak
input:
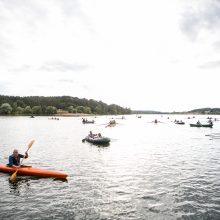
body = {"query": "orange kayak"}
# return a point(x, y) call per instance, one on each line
point(31, 171)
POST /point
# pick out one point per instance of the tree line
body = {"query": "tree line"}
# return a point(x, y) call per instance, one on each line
point(40, 105)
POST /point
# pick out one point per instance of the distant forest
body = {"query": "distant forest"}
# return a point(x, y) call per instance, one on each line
point(40, 105)
point(200, 111)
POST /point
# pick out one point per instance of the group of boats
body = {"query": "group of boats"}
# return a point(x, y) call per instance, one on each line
point(96, 139)
point(198, 124)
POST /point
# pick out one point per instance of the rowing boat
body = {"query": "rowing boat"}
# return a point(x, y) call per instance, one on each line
point(201, 125)
point(180, 123)
point(98, 140)
point(88, 122)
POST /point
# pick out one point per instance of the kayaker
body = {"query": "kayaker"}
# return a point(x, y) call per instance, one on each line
point(14, 159)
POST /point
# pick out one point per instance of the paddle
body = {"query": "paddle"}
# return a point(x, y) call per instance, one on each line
point(14, 175)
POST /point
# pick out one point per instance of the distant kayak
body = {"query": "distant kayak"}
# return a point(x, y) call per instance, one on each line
point(31, 171)
point(202, 125)
point(98, 140)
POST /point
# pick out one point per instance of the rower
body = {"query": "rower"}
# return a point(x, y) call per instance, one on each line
point(14, 159)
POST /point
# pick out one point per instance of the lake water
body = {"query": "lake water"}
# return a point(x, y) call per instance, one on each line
point(149, 171)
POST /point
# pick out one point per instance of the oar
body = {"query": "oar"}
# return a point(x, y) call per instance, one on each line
point(14, 175)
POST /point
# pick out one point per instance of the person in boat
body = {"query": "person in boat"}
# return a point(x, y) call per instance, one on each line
point(99, 135)
point(210, 122)
point(14, 159)
point(91, 135)
point(84, 120)
point(112, 122)
point(198, 122)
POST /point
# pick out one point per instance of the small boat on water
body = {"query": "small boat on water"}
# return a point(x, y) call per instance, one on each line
point(86, 121)
point(179, 122)
point(201, 125)
point(54, 118)
point(97, 140)
point(32, 171)
point(112, 123)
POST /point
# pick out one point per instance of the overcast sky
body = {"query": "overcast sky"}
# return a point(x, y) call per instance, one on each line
point(153, 55)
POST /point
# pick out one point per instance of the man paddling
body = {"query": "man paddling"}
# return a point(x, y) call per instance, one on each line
point(14, 159)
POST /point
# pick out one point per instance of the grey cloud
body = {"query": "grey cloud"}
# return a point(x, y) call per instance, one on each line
point(4, 87)
point(62, 66)
point(216, 45)
point(23, 68)
point(205, 16)
point(29, 13)
point(50, 67)
point(65, 81)
point(210, 64)
point(70, 7)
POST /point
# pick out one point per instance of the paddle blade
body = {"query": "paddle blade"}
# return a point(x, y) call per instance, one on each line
point(13, 176)
point(30, 144)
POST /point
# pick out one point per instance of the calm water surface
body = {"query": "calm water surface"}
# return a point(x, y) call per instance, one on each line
point(149, 171)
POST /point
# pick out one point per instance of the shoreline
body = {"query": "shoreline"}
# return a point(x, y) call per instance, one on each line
point(55, 115)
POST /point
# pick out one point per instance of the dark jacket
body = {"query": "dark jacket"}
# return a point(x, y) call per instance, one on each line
point(15, 161)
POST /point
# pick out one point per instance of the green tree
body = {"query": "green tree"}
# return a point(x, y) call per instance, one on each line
point(44, 109)
point(71, 109)
point(14, 107)
point(5, 109)
point(87, 110)
point(19, 110)
point(51, 110)
point(63, 102)
point(80, 109)
point(113, 110)
point(37, 110)
point(27, 110)
point(98, 109)
point(20, 104)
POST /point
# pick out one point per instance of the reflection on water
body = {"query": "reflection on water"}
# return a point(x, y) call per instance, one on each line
point(162, 171)
point(18, 185)
point(99, 145)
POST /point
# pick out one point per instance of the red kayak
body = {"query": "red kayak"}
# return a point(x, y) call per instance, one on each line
point(31, 171)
